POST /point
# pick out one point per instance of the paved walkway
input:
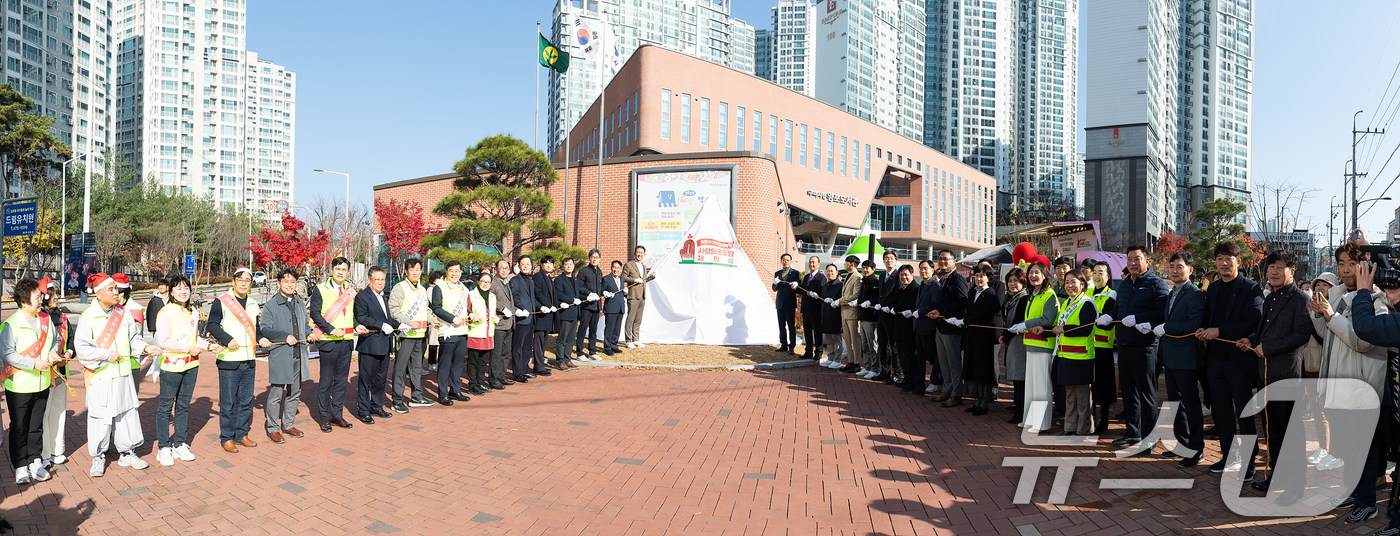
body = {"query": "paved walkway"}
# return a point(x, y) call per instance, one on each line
point(623, 452)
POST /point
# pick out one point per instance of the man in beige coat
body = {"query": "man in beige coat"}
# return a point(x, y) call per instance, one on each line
point(850, 324)
point(636, 275)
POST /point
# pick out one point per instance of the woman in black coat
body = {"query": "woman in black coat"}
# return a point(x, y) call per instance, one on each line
point(979, 348)
point(566, 291)
point(831, 316)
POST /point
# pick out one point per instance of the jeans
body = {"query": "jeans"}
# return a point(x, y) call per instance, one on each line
point(176, 390)
point(407, 363)
point(449, 372)
point(564, 343)
point(236, 401)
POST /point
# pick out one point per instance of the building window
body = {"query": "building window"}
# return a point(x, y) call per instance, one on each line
point(787, 141)
point(704, 122)
point(867, 162)
point(685, 118)
point(757, 131)
point(891, 219)
point(830, 152)
point(773, 136)
point(817, 149)
point(665, 114)
point(739, 127)
point(843, 156)
point(723, 125)
point(802, 145)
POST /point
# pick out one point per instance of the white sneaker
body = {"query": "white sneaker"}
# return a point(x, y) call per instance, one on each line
point(1316, 455)
point(99, 466)
point(38, 472)
point(133, 461)
point(931, 388)
point(824, 361)
point(631, 345)
point(165, 457)
point(833, 364)
point(1329, 462)
point(1205, 411)
point(58, 459)
point(22, 475)
point(1389, 467)
point(183, 453)
point(871, 374)
point(1236, 465)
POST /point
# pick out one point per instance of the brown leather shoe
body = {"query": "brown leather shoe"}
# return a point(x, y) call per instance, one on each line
point(276, 437)
point(953, 401)
point(571, 365)
point(293, 432)
point(341, 422)
point(229, 446)
point(247, 442)
point(940, 398)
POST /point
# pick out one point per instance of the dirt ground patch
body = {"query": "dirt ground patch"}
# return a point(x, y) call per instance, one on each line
point(693, 354)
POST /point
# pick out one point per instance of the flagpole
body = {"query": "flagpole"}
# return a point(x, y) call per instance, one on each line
point(567, 127)
point(537, 95)
point(602, 94)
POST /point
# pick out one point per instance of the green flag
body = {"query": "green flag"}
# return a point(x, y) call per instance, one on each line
point(552, 57)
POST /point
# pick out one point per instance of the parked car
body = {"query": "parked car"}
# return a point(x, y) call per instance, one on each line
point(259, 278)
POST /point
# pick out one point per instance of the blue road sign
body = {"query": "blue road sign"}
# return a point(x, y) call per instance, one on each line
point(20, 218)
point(189, 265)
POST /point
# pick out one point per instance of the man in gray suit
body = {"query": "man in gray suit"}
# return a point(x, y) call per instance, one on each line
point(1185, 313)
point(505, 327)
point(284, 322)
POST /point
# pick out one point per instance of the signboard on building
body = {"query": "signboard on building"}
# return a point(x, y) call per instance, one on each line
point(20, 218)
point(667, 201)
point(1073, 238)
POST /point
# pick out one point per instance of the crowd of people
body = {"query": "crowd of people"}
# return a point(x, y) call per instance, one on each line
point(479, 332)
point(1072, 340)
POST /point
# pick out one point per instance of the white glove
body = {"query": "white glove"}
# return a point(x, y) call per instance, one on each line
point(776, 281)
point(404, 327)
point(812, 294)
point(544, 309)
point(1130, 320)
point(505, 311)
point(1104, 320)
point(827, 300)
point(564, 306)
point(522, 313)
point(907, 314)
point(592, 296)
point(553, 309)
point(887, 309)
point(607, 294)
point(577, 301)
point(1144, 328)
point(834, 304)
point(956, 322)
point(1018, 328)
point(1161, 330)
point(865, 304)
point(386, 329)
point(794, 284)
point(636, 280)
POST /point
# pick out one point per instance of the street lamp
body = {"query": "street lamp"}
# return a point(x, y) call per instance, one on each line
point(63, 234)
point(347, 184)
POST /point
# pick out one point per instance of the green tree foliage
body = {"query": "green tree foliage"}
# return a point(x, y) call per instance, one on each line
point(1217, 224)
point(28, 148)
point(500, 201)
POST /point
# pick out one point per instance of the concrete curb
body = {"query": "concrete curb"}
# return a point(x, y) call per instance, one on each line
point(755, 366)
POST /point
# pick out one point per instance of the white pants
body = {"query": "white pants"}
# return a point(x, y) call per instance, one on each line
point(1038, 388)
point(124, 430)
point(55, 416)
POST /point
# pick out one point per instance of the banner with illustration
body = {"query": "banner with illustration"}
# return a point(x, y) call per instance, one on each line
point(668, 201)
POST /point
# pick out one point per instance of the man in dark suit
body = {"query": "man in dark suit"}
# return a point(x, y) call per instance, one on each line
point(889, 282)
point(812, 304)
point(925, 334)
point(1142, 297)
point(522, 291)
point(372, 311)
point(590, 290)
point(1233, 306)
point(952, 303)
point(1284, 328)
point(1186, 309)
point(614, 307)
point(785, 301)
point(548, 320)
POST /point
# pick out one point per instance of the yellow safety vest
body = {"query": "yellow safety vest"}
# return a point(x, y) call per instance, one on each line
point(25, 380)
point(346, 321)
point(234, 328)
point(1034, 309)
point(132, 307)
point(93, 320)
point(450, 298)
point(181, 320)
point(483, 329)
point(1074, 346)
point(414, 296)
point(1103, 337)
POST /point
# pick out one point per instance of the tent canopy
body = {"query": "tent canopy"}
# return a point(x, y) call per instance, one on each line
point(863, 245)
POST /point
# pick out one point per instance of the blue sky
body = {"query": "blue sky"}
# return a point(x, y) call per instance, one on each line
point(390, 94)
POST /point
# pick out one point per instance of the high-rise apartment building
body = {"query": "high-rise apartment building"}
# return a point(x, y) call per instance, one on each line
point(763, 54)
point(1131, 129)
point(870, 61)
point(195, 111)
point(699, 28)
point(792, 45)
point(1215, 97)
point(1047, 108)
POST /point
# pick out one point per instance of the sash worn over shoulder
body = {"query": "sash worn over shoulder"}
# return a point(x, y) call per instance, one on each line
point(32, 352)
point(239, 313)
point(338, 307)
point(419, 299)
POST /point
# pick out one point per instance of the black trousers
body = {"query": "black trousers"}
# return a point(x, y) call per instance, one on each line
point(521, 349)
point(450, 358)
point(910, 362)
point(1284, 450)
point(886, 341)
point(477, 363)
point(925, 351)
point(374, 370)
point(1181, 386)
point(1137, 366)
point(812, 330)
point(564, 343)
point(335, 378)
point(27, 425)
point(787, 326)
point(541, 340)
point(612, 330)
point(587, 331)
point(1232, 377)
point(500, 354)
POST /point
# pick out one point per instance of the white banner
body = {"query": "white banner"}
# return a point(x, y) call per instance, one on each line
point(707, 291)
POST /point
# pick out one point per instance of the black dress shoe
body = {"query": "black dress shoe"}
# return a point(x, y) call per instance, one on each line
point(383, 414)
point(1169, 455)
point(791, 352)
point(367, 419)
point(1190, 462)
point(544, 372)
point(522, 379)
point(978, 412)
point(445, 401)
point(477, 391)
point(1262, 485)
point(461, 397)
point(608, 352)
point(530, 375)
point(325, 426)
point(498, 384)
point(508, 381)
point(1014, 419)
point(1126, 441)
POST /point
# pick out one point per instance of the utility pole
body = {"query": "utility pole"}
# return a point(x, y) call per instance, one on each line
point(1354, 176)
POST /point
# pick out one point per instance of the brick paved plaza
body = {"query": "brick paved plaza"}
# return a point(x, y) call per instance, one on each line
point(608, 451)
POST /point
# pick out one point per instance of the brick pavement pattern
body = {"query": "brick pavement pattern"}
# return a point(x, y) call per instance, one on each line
point(624, 452)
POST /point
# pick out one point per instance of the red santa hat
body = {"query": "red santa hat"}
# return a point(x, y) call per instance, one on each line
point(98, 280)
point(240, 270)
point(45, 284)
point(122, 281)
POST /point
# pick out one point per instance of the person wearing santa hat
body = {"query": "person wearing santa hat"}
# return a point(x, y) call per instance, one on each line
point(28, 348)
point(137, 312)
point(233, 323)
point(103, 342)
point(56, 416)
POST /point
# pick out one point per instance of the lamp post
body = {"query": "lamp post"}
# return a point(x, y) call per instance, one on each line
point(347, 197)
point(63, 234)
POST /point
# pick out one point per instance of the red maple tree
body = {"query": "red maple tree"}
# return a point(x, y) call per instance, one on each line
point(287, 247)
point(401, 223)
point(1168, 244)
